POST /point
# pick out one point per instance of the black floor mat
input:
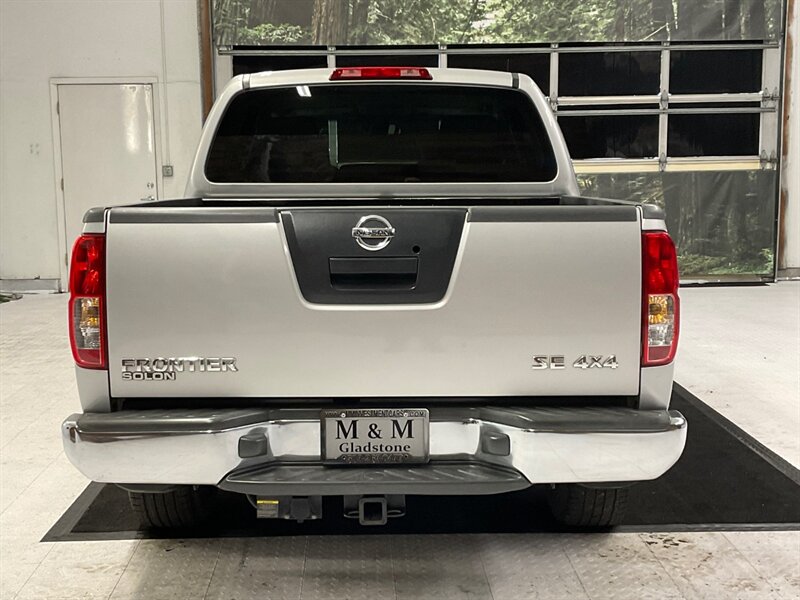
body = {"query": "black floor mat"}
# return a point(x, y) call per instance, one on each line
point(725, 480)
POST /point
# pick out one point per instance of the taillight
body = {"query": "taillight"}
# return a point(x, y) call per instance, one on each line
point(661, 305)
point(87, 286)
point(380, 73)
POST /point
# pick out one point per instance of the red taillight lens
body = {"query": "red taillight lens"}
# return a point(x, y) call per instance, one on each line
point(87, 286)
point(381, 73)
point(661, 305)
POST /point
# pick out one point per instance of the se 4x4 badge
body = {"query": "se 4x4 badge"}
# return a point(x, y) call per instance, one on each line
point(584, 361)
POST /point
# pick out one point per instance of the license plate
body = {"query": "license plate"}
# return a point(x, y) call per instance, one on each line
point(375, 436)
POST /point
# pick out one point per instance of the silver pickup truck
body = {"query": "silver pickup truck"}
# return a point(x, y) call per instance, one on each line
point(383, 282)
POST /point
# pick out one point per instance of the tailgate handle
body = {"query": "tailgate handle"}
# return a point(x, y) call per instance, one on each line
point(374, 274)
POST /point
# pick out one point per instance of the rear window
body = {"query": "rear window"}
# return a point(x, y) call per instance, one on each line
point(378, 133)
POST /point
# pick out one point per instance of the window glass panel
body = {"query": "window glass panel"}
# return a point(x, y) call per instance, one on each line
point(380, 133)
point(608, 73)
point(536, 66)
point(389, 22)
point(386, 60)
point(723, 222)
point(714, 71)
point(611, 136)
point(255, 64)
point(713, 135)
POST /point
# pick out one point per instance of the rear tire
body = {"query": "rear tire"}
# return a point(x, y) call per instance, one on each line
point(580, 506)
point(185, 506)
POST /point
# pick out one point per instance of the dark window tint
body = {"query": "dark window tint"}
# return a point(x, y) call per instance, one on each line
point(713, 135)
point(710, 71)
point(387, 60)
point(536, 66)
point(380, 133)
point(612, 136)
point(277, 62)
point(608, 73)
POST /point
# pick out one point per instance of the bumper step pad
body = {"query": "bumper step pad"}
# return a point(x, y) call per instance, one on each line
point(440, 478)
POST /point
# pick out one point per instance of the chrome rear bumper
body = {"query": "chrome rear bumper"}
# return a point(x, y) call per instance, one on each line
point(279, 450)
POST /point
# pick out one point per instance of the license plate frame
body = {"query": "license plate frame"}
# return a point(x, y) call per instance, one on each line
point(409, 422)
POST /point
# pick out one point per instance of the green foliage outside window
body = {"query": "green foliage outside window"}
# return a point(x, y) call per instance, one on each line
point(379, 22)
point(723, 222)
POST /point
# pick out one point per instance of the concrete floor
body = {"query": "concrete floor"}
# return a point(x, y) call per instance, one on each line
point(739, 354)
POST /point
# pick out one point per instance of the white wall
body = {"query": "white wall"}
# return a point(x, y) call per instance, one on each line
point(789, 257)
point(44, 39)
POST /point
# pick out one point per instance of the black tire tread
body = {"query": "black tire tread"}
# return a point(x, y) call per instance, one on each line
point(580, 506)
point(177, 509)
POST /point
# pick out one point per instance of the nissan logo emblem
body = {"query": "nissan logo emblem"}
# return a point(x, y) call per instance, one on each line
point(373, 233)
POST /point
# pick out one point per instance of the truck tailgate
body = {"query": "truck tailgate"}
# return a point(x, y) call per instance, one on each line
point(262, 302)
